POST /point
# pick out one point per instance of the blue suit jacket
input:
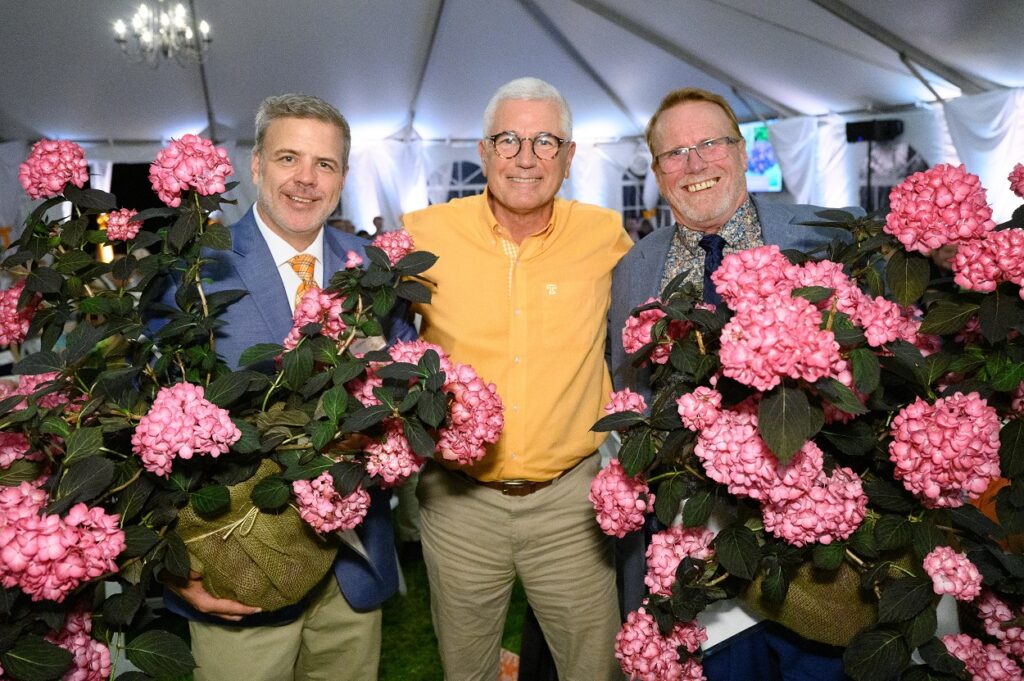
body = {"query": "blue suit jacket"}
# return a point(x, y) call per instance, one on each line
point(264, 316)
point(636, 278)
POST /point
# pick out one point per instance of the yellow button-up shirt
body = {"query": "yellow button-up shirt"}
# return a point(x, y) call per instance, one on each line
point(530, 318)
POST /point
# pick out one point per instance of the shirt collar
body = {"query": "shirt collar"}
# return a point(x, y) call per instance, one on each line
point(731, 231)
point(497, 230)
point(282, 251)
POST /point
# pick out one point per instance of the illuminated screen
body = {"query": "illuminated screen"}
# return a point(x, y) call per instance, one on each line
point(763, 171)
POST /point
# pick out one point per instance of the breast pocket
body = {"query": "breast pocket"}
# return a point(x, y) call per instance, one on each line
point(572, 312)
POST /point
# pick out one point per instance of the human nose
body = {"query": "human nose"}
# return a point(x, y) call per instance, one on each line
point(526, 158)
point(306, 173)
point(694, 160)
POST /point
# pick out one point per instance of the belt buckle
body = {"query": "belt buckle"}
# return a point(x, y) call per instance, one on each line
point(517, 487)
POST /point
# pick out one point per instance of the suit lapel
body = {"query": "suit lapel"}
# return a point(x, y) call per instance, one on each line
point(646, 276)
point(258, 272)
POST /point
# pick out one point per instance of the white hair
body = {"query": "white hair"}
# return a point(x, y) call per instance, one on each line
point(531, 89)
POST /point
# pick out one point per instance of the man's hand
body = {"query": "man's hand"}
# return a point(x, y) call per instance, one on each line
point(199, 598)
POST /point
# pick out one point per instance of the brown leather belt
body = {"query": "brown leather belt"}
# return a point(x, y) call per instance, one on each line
point(513, 488)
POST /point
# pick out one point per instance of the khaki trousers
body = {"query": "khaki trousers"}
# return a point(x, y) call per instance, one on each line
point(476, 540)
point(330, 642)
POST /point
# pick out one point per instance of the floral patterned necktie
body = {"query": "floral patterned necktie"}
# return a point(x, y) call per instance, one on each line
point(304, 265)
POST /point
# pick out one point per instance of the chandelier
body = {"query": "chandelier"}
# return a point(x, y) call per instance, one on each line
point(162, 33)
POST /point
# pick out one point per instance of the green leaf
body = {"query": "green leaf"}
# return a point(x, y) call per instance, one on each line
point(1011, 449)
point(969, 518)
point(413, 291)
point(921, 628)
point(20, 471)
point(839, 396)
point(618, 421)
point(784, 422)
point(38, 363)
point(271, 493)
point(904, 598)
point(34, 659)
point(176, 560)
point(307, 468)
point(334, 402)
point(892, 532)
point(210, 500)
point(946, 317)
point(82, 339)
point(83, 443)
point(907, 276)
point(402, 371)
point(226, 389)
point(908, 361)
point(924, 537)
point(774, 586)
point(863, 541)
point(937, 656)
point(182, 231)
point(638, 450)
point(737, 551)
point(347, 370)
point(323, 433)
point(216, 237)
point(249, 442)
point(120, 608)
point(160, 653)
point(44, 280)
point(298, 366)
point(888, 496)
point(260, 353)
point(138, 540)
point(697, 508)
point(131, 499)
point(876, 655)
point(813, 294)
point(383, 301)
point(431, 407)
point(853, 439)
point(416, 262)
point(90, 198)
point(998, 315)
point(866, 370)
point(829, 556)
point(419, 440)
point(348, 477)
point(669, 496)
point(361, 419)
point(82, 482)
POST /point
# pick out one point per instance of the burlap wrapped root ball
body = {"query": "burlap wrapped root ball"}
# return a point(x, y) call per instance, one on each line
point(266, 560)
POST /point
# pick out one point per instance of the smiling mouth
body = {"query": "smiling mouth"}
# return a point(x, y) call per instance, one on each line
point(524, 180)
point(701, 186)
point(300, 199)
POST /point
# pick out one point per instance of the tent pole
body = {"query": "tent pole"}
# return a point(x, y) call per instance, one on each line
point(210, 123)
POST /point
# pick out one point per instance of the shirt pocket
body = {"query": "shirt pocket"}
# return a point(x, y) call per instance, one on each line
point(572, 314)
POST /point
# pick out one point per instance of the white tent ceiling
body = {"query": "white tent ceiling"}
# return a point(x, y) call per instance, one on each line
point(380, 60)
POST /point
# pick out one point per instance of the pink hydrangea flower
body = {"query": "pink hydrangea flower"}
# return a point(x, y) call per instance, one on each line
point(353, 260)
point(15, 446)
point(121, 227)
point(753, 274)
point(324, 509)
point(91, 660)
point(1016, 178)
point(948, 451)
point(645, 655)
point(699, 409)
point(50, 166)
point(952, 573)
point(391, 458)
point(639, 329)
point(397, 245)
point(14, 323)
point(476, 417)
point(668, 548)
point(29, 384)
point(409, 352)
point(47, 556)
point(775, 337)
point(189, 163)
point(180, 424)
point(984, 661)
point(733, 454)
point(939, 206)
point(981, 264)
point(316, 307)
point(996, 616)
point(620, 501)
point(625, 400)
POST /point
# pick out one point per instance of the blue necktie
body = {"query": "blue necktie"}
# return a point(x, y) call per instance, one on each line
point(712, 245)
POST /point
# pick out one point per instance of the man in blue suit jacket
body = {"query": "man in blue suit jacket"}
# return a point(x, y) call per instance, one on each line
point(299, 164)
point(699, 159)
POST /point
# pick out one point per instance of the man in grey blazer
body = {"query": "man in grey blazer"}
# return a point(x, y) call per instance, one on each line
point(699, 160)
point(299, 164)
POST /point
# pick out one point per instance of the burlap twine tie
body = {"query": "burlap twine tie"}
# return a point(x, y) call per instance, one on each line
point(304, 266)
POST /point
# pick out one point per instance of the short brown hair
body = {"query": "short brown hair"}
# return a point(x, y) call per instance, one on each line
point(690, 94)
point(300, 106)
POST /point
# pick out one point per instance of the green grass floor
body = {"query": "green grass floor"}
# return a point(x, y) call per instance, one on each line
point(409, 648)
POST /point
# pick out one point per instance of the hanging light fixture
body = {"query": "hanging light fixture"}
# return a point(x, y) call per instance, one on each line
point(163, 33)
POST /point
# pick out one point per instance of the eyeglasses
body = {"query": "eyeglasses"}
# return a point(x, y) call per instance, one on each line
point(710, 150)
point(545, 145)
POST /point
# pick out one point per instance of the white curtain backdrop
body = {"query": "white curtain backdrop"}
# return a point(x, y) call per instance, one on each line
point(988, 131)
point(13, 201)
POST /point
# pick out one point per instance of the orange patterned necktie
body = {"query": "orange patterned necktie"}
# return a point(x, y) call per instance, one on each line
point(304, 266)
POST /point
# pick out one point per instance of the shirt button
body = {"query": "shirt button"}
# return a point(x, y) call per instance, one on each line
point(513, 455)
point(515, 407)
point(516, 359)
point(518, 311)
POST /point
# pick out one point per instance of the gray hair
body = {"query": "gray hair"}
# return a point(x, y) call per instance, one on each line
point(531, 89)
point(300, 106)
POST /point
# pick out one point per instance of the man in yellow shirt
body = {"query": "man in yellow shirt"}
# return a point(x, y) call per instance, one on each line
point(521, 292)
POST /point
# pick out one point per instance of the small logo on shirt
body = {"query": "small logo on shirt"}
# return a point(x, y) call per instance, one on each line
point(552, 289)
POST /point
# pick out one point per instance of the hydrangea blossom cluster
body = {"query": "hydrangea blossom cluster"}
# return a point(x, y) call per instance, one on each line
point(121, 227)
point(180, 424)
point(952, 573)
point(316, 307)
point(324, 509)
point(984, 661)
point(942, 205)
point(831, 509)
point(189, 163)
point(47, 556)
point(15, 446)
point(777, 336)
point(29, 384)
point(996, 617)
point(396, 245)
point(645, 655)
point(734, 455)
point(625, 400)
point(639, 332)
point(14, 323)
point(753, 275)
point(1016, 178)
point(946, 451)
point(699, 409)
point(668, 548)
point(91, 661)
point(619, 500)
point(391, 459)
point(981, 264)
point(50, 166)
